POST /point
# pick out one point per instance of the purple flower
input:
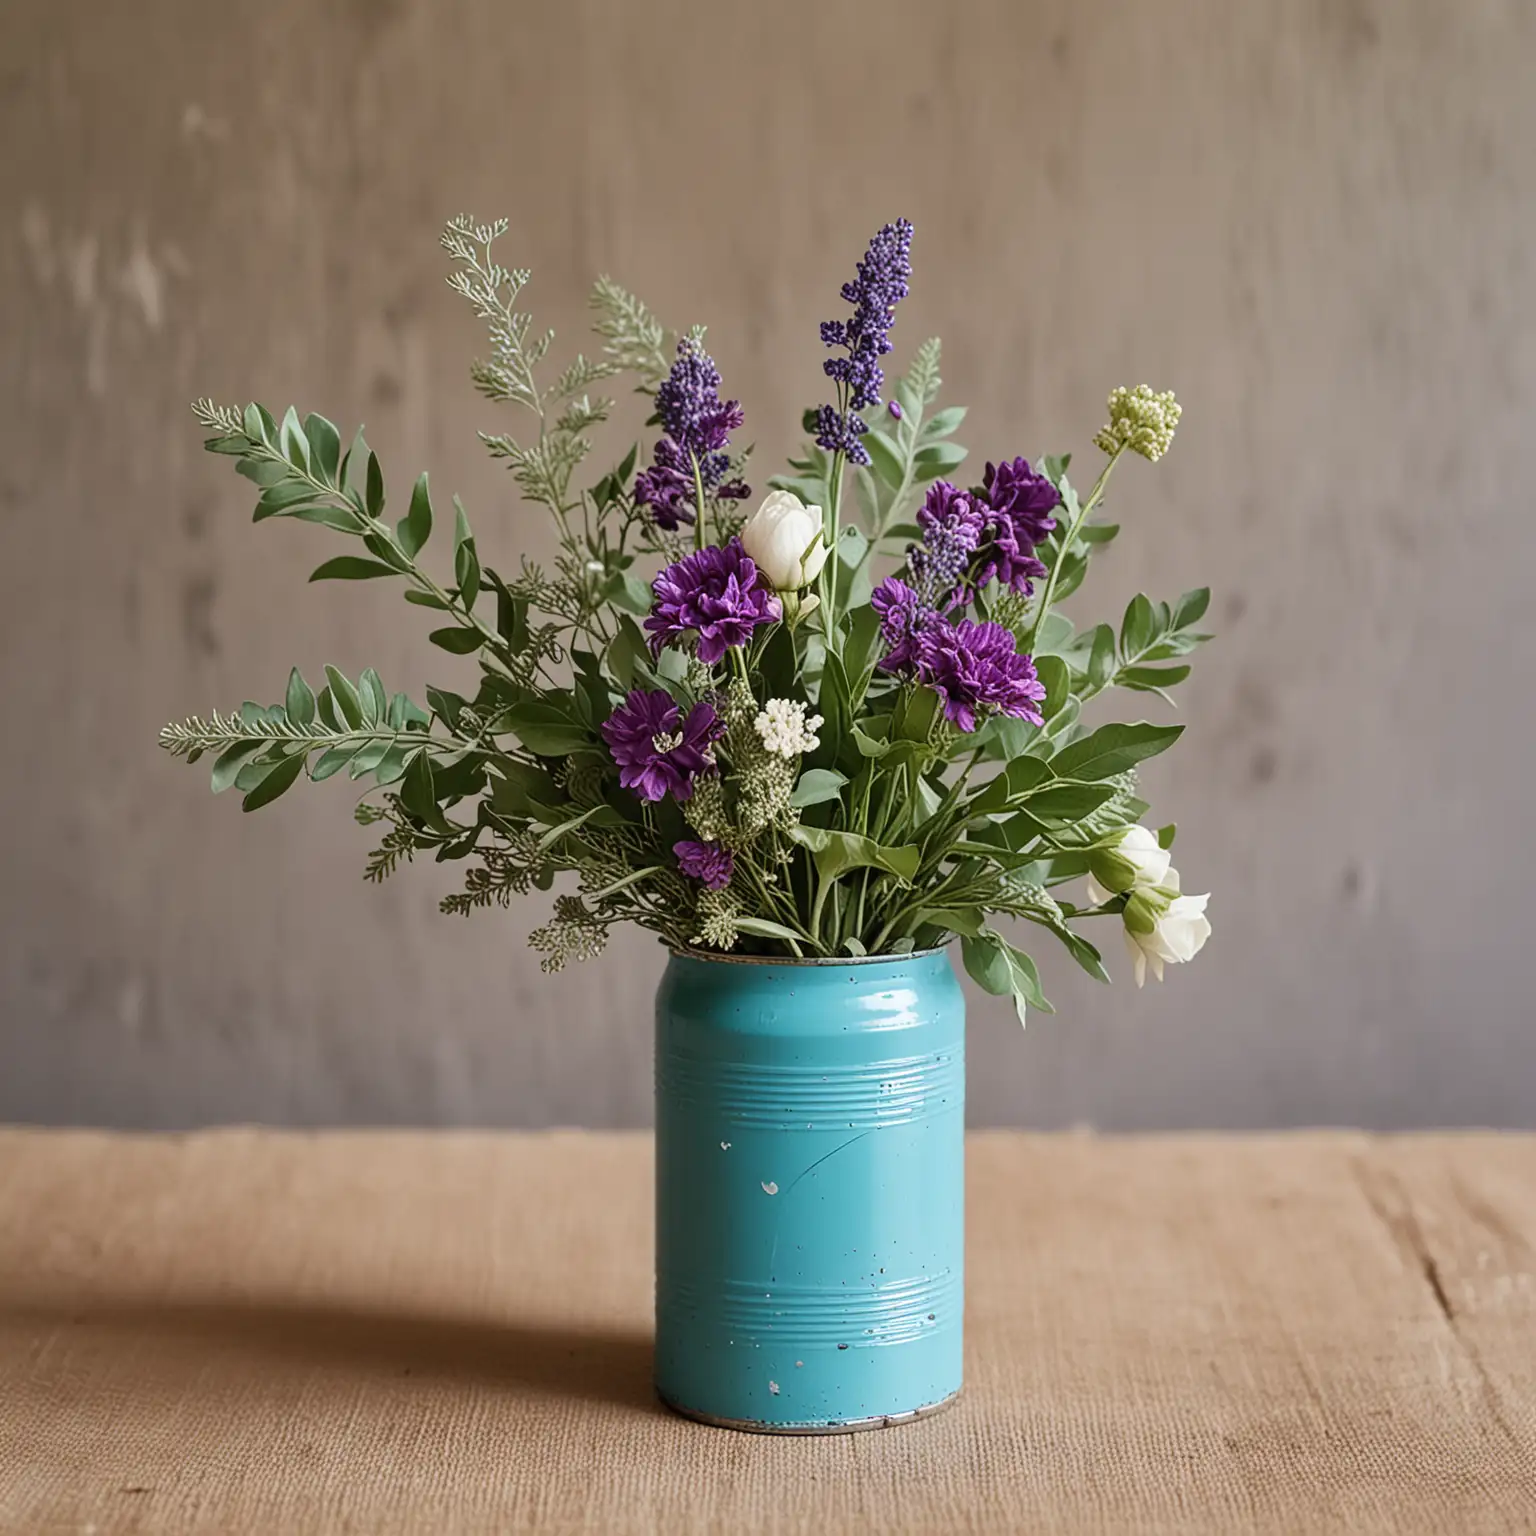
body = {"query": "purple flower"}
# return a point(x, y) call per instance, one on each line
point(698, 425)
point(903, 618)
point(951, 525)
point(707, 862)
point(880, 285)
point(658, 752)
point(716, 592)
point(895, 409)
point(689, 404)
point(977, 667)
point(667, 488)
point(1021, 502)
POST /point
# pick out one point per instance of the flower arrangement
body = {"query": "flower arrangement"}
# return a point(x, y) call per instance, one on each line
point(719, 721)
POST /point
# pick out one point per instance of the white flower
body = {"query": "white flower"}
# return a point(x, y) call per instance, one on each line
point(784, 538)
point(1134, 862)
point(785, 730)
point(1164, 928)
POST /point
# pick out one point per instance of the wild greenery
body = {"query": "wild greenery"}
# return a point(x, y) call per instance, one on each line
point(897, 830)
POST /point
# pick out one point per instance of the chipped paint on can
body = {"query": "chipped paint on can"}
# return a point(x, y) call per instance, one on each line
point(810, 1190)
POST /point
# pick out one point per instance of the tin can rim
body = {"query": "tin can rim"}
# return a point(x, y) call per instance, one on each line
point(708, 957)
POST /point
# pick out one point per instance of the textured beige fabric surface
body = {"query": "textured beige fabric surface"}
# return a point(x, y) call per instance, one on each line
point(395, 1332)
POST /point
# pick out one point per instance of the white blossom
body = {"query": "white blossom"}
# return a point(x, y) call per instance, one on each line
point(1163, 927)
point(784, 538)
point(1134, 861)
point(784, 728)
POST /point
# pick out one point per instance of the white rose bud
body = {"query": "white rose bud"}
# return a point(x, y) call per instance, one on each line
point(784, 538)
point(1164, 928)
point(1134, 862)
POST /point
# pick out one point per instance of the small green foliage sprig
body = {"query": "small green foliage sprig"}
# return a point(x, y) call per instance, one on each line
point(836, 802)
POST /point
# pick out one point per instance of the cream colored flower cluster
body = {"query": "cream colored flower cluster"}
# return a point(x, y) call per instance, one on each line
point(1141, 421)
point(785, 730)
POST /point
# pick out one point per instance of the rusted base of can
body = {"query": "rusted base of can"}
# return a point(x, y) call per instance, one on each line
point(828, 1427)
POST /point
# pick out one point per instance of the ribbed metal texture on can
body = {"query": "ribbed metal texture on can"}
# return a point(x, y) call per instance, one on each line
point(809, 1190)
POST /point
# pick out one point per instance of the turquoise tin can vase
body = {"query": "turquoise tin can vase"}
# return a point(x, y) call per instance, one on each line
point(810, 1190)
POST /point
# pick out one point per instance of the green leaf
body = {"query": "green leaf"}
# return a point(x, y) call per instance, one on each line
point(1165, 835)
point(942, 423)
point(962, 920)
point(1101, 658)
point(832, 702)
point(1112, 749)
point(301, 700)
point(986, 964)
point(375, 699)
point(345, 696)
point(351, 568)
point(885, 459)
point(937, 459)
point(418, 793)
point(1191, 607)
point(627, 591)
point(835, 853)
point(291, 440)
point(627, 654)
point(391, 766)
point(761, 928)
point(459, 641)
point(997, 967)
point(1152, 679)
point(917, 719)
point(413, 530)
point(544, 729)
point(466, 563)
point(446, 706)
point(1025, 773)
point(374, 495)
point(368, 758)
point(257, 423)
point(817, 785)
point(280, 498)
point(1069, 802)
point(342, 519)
point(861, 651)
point(1053, 672)
point(231, 760)
point(279, 779)
point(427, 600)
point(324, 446)
point(1138, 629)
point(355, 467)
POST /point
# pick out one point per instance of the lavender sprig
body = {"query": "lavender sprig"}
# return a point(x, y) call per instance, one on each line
point(881, 283)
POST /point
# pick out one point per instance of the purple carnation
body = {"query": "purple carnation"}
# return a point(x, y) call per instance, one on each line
point(667, 488)
point(880, 285)
point(659, 752)
point(903, 618)
point(951, 525)
point(977, 667)
point(715, 592)
point(706, 862)
point(1021, 502)
point(698, 424)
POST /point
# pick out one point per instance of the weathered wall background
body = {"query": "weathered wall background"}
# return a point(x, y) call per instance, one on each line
point(1316, 221)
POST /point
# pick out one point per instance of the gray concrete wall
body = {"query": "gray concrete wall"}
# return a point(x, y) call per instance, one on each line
point(1314, 220)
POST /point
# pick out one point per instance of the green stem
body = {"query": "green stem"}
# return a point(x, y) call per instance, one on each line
point(1084, 510)
point(698, 492)
point(823, 890)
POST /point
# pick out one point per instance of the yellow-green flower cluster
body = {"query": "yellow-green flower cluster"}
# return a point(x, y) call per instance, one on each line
point(1140, 420)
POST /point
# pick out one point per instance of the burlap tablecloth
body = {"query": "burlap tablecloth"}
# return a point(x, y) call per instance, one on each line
point(398, 1332)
